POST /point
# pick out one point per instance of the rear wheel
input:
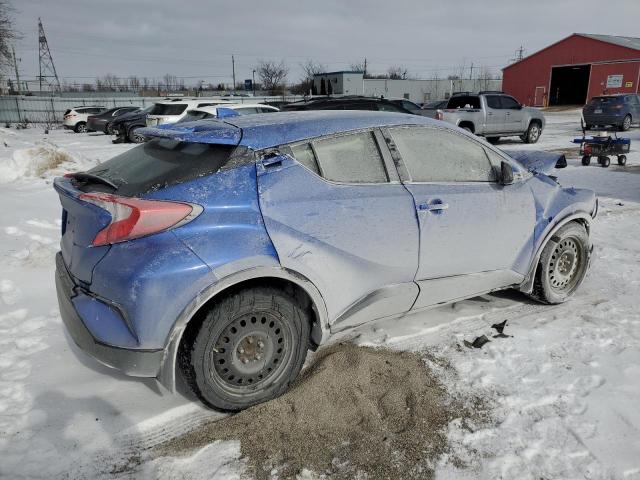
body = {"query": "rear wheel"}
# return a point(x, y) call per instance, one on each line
point(493, 140)
point(532, 134)
point(249, 349)
point(586, 160)
point(626, 123)
point(136, 137)
point(604, 161)
point(622, 160)
point(563, 264)
point(80, 127)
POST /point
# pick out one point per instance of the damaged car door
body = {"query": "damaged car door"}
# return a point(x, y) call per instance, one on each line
point(476, 233)
point(337, 213)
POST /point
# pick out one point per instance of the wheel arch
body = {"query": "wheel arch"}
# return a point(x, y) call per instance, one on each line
point(581, 218)
point(263, 276)
point(467, 123)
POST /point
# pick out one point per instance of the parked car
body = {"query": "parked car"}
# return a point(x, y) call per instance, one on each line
point(124, 126)
point(408, 105)
point(493, 115)
point(431, 109)
point(100, 122)
point(172, 111)
point(202, 113)
point(76, 118)
point(620, 111)
point(222, 251)
point(346, 103)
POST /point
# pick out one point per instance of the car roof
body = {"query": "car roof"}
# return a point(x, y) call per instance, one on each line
point(272, 129)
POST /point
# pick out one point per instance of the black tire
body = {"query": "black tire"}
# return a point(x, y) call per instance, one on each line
point(604, 161)
point(622, 160)
point(467, 128)
point(493, 140)
point(626, 123)
point(81, 127)
point(586, 160)
point(224, 366)
point(134, 137)
point(588, 127)
point(532, 135)
point(563, 264)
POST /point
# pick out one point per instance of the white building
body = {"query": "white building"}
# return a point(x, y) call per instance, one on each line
point(419, 91)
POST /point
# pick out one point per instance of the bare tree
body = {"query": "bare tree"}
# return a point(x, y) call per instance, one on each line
point(272, 75)
point(397, 73)
point(134, 83)
point(7, 34)
point(309, 70)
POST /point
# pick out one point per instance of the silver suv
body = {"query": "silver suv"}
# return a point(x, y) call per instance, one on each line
point(493, 115)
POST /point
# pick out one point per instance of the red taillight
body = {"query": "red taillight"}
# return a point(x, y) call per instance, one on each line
point(133, 217)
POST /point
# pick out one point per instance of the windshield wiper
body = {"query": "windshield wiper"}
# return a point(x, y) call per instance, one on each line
point(90, 177)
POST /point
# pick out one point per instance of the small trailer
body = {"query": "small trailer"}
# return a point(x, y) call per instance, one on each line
point(602, 145)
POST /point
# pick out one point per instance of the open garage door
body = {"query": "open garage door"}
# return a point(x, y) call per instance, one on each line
point(569, 85)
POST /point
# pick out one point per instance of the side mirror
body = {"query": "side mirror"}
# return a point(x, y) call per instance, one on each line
point(506, 173)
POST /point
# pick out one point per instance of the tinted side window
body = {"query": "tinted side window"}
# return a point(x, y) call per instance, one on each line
point(351, 158)
point(389, 107)
point(432, 155)
point(246, 110)
point(509, 103)
point(493, 101)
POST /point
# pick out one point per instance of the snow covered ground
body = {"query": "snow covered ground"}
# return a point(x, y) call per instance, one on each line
point(566, 385)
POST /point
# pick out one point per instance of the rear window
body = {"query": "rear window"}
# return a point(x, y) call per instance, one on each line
point(168, 109)
point(160, 163)
point(464, 101)
point(606, 100)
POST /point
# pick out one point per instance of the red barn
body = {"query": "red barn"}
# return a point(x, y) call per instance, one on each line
point(573, 70)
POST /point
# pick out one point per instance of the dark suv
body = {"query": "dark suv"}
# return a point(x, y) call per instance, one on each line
point(618, 110)
point(347, 103)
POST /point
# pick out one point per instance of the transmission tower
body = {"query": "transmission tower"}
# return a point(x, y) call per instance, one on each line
point(48, 72)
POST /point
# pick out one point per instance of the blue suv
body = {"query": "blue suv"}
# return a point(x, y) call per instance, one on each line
point(619, 110)
point(221, 251)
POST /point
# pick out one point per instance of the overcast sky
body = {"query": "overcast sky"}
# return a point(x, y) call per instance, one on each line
point(195, 39)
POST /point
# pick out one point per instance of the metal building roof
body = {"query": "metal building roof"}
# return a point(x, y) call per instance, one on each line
point(629, 42)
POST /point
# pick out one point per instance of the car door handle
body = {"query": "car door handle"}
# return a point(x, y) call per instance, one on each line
point(435, 206)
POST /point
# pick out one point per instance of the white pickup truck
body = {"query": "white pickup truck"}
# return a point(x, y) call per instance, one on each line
point(493, 115)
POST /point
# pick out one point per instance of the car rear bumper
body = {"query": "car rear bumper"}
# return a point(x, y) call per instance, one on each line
point(134, 362)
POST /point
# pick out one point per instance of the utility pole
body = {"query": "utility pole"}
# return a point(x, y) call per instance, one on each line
point(471, 72)
point(46, 67)
point(364, 74)
point(15, 64)
point(233, 68)
point(253, 81)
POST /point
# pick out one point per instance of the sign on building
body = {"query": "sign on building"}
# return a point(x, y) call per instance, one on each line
point(614, 81)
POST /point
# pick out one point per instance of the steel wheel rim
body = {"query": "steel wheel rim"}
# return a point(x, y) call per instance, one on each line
point(534, 132)
point(566, 265)
point(251, 351)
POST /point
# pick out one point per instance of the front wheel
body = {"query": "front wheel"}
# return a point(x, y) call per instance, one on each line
point(136, 137)
point(604, 161)
point(586, 160)
point(532, 134)
point(563, 264)
point(622, 160)
point(249, 349)
point(81, 127)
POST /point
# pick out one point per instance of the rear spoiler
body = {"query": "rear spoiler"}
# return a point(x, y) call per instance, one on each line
point(538, 160)
point(199, 131)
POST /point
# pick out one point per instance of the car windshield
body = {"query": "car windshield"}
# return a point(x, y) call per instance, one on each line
point(163, 162)
point(168, 109)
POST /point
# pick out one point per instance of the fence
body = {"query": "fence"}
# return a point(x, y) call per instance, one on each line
point(19, 109)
